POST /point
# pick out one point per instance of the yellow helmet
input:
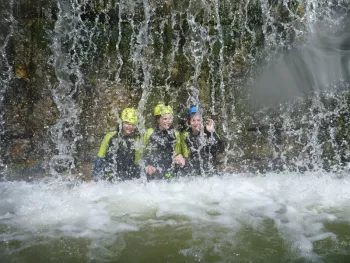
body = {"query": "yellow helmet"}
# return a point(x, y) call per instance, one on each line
point(162, 109)
point(129, 115)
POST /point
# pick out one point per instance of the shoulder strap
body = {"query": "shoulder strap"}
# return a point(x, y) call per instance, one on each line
point(217, 135)
point(178, 142)
point(138, 151)
point(148, 134)
point(184, 145)
point(105, 144)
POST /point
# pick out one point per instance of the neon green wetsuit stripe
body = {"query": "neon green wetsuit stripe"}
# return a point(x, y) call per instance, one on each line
point(184, 146)
point(178, 143)
point(105, 144)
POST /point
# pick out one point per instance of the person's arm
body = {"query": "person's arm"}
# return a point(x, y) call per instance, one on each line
point(218, 145)
point(147, 154)
point(96, 172)
point(178, 157)
point(184, 146)
point(99, 161)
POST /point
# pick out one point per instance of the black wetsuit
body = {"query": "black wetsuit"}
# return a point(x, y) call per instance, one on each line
point(201, 151)
point(161, 146)
point(116, 159)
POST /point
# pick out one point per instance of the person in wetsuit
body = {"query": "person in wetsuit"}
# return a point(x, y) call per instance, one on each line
point(162, 146)
point(200, 147)
point(118, 157)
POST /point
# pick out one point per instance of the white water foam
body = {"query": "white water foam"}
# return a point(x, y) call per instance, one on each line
point(299, 206)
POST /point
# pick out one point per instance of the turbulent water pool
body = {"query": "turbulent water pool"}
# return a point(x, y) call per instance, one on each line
point(228, 218)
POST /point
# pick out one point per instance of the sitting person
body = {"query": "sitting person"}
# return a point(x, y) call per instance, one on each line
point(200, 147)
point(118, 158)
point(162, 146)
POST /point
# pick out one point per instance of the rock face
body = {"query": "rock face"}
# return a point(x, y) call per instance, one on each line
point(101, 56)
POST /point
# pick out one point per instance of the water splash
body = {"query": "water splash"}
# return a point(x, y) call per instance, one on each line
point(7, 24)
point(281, 215)
point(298, 86)
point(68, 31)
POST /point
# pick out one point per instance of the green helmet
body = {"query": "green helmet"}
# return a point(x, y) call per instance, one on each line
point(162, 109)
point(129, 115)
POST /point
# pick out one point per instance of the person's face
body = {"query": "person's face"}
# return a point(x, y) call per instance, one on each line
point(196, 123)
point(128, 128)
point(165, 121)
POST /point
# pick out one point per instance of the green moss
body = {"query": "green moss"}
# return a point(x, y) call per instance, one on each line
point(185, 26)
point(157, 40)
point(229, 42)
point(124, 45)
point(212, 30)
point(167, 38)
point(216, 49)
point(181, 71)
point(199, 18)
point(39, 30)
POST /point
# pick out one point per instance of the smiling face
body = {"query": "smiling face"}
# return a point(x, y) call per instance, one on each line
point(165, 121)
point(128, 128)
point(196, 123)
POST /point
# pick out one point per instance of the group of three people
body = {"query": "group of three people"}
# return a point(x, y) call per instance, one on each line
point(165, 151)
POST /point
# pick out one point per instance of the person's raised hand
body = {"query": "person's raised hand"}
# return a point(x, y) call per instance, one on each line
point(210, 125)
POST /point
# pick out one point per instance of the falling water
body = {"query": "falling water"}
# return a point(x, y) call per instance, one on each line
point(67, 62)
point(6, 31)
point(309, 83)
point(142, 57)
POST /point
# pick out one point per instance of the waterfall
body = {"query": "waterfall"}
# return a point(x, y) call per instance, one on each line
point(7, 23)
point(67, 59)
point(249, 64)
point(306, 87)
